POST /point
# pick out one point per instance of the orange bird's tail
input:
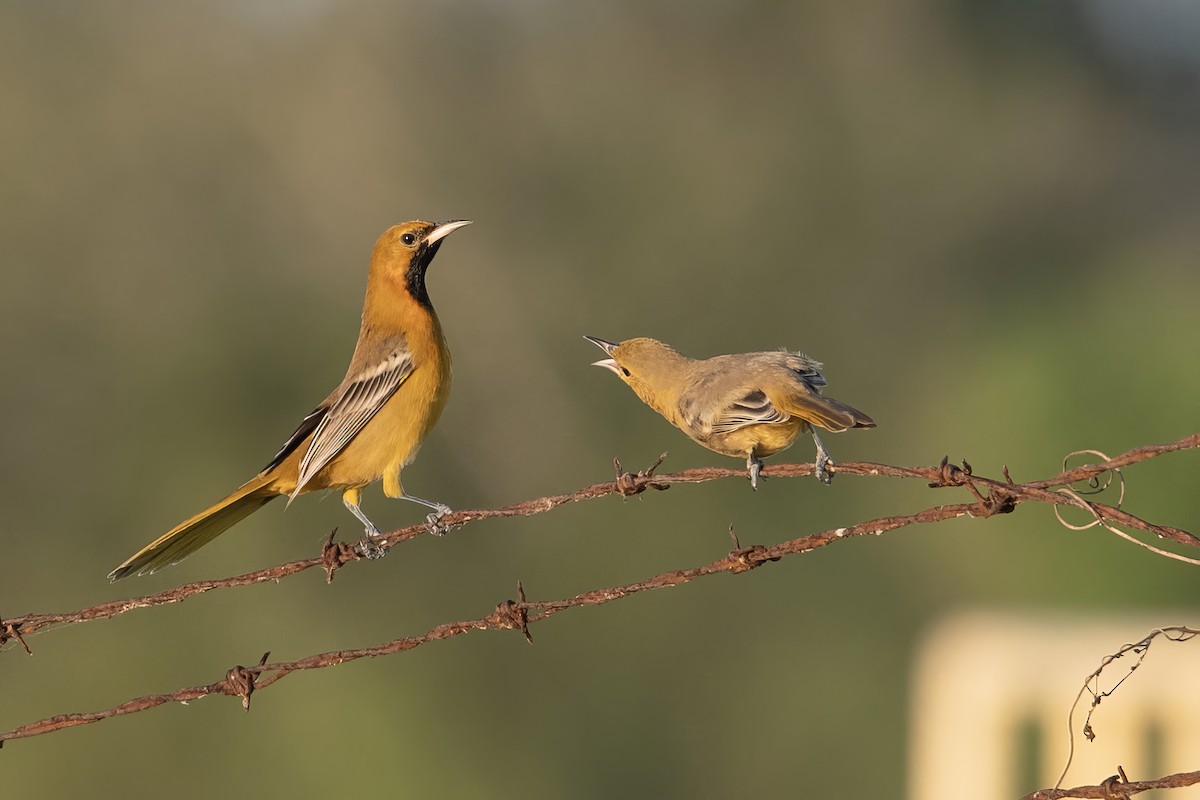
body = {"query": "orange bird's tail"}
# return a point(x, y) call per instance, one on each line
point(192, 534)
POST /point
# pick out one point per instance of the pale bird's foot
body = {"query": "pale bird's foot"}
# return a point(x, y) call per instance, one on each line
point(754, 465)
point(434, 520)
point(823, 460)
point(822, 473)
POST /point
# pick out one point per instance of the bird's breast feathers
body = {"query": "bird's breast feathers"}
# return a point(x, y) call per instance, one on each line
point(375, 421)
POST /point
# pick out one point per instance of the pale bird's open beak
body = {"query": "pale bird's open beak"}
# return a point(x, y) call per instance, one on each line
point(607, 347)
point(444, 229)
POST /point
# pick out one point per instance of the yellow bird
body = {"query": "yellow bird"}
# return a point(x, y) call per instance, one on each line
point(370, 426)
point(750, 405)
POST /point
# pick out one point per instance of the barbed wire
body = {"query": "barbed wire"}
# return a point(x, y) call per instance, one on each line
point(989, 497)
point(1118, 787)
point(336, 554)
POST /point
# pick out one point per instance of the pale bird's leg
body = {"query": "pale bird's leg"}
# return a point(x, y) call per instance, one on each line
point(433, 519)
point(350, 499)
point(823, 460)
point(755, 465)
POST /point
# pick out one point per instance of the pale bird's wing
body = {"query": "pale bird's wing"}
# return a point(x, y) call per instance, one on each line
point(735, 391)
point(752, 408)
point(350, 412)
point(723, 395)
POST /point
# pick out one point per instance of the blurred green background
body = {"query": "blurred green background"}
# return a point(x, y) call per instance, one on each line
point(981, 216)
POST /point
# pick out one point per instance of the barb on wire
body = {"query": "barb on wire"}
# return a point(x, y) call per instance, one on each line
point(629, 484)
point(12, 630)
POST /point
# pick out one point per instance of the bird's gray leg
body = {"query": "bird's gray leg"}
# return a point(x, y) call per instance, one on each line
point(369, 548)
point(823, 460)
point(368, 527)
point(434, 518)
point(754, 464)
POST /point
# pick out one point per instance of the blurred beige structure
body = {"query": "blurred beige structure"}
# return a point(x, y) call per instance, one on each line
point(991, 693)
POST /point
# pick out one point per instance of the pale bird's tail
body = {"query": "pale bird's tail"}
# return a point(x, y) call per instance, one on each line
point(192, 534)
point(827, 413)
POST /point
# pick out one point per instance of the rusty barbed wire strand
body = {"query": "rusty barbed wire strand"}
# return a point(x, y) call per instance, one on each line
point(508, 615)
point(1003, 497)
point(1117, 788)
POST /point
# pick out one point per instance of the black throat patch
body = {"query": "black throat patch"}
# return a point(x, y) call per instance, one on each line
point(416, 273)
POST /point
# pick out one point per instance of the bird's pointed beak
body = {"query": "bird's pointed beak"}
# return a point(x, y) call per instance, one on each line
point(444, 229)
point(604, 345)
point(607, 347)
point(608, 363)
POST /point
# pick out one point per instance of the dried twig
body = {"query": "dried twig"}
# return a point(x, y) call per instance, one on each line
point(1091, 684)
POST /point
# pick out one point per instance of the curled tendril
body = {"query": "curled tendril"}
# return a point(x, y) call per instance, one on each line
point(1091, 684)
point(1094, 483)
point(1096, 486)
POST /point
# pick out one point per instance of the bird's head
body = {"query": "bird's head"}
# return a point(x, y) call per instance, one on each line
point(405, 251)
point(647, 365)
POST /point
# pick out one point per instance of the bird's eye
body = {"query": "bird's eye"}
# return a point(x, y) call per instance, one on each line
point(408, 239)
point(625, 371)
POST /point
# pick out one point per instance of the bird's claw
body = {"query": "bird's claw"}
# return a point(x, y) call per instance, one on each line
point(822, 473)
point(755, 465)
point(824, 461)
point(370, 546)
point(434, 520)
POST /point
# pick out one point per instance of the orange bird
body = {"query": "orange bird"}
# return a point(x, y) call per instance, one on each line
point(370, 426)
